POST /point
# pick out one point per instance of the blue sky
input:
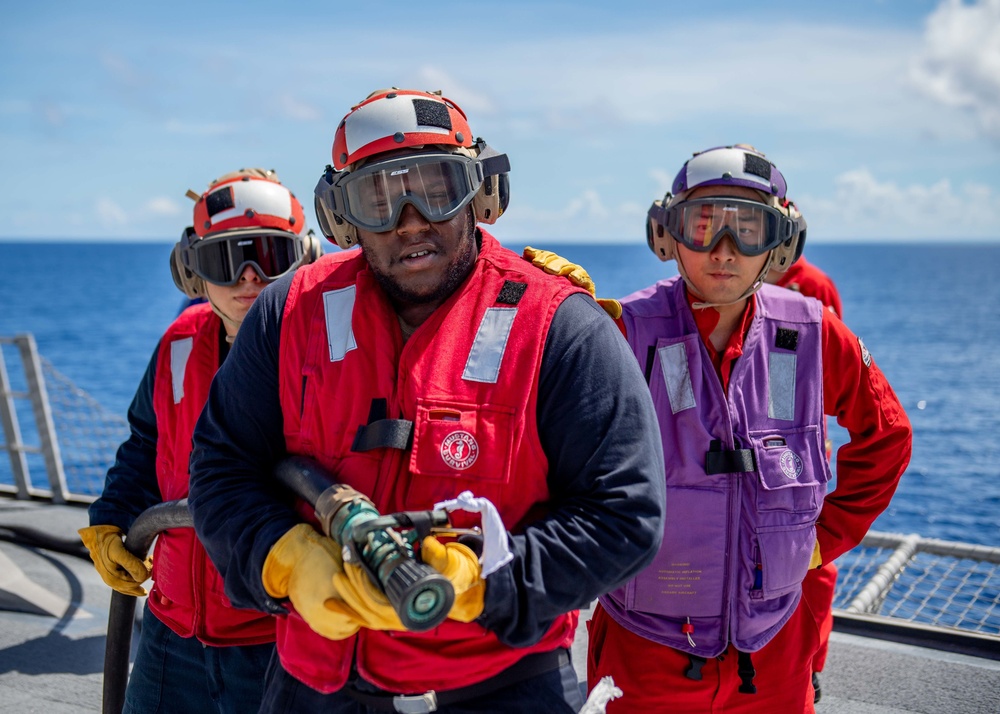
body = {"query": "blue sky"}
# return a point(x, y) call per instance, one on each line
point(884, 116)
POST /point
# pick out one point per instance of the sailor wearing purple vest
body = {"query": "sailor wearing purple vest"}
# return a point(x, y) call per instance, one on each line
point(741, 374)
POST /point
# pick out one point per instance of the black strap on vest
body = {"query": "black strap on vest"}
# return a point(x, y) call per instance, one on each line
point(747, 672)
point(694, 671)
point(532, 665)
point(719, 461)
point(382, 433)
point(650, 353)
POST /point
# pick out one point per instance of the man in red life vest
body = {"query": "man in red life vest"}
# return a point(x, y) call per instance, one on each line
point(196, 652)
point(430, 362)
point(741, 374)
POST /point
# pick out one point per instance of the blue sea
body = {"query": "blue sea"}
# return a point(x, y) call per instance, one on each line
point(929, 314)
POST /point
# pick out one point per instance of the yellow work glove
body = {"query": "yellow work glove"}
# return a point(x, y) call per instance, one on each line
point(118, 568)
point(555, 264)
point(361, 599)
point(461, 566)
point(301, 566)
point(816, 560)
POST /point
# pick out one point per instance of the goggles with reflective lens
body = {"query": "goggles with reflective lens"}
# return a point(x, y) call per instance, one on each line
point(221, 260)
point(372, 198)
point(699, 224)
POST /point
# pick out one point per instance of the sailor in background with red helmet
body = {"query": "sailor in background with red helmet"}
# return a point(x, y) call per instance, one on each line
point(804, 277)
point(820, 584)
point(431, 362)
point(741, 374)
point(196, 652)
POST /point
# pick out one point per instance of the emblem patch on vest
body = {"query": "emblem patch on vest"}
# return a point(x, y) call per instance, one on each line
point(866, 356)
point(459, 450)
point(790, 463)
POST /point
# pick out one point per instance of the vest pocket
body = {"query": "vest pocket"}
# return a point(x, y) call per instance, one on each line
point(785, 555)
point(792, 472)
point(466, 446)
point(687, 576)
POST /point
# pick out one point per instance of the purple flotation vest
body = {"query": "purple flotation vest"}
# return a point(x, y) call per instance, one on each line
point(746, 472)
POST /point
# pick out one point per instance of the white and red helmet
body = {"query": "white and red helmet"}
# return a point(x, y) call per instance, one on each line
point(392, 119)
point(251, 198)
point(398, 118)
point(247, 216)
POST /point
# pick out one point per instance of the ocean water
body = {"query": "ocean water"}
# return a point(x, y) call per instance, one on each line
point(929, 314)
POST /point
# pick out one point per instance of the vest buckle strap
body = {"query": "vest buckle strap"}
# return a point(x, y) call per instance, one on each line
point(416, 703)
point(746, 671)
point(384, 434)
point(734, 461)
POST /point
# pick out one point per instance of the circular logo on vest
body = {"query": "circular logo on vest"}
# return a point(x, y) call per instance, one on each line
point(459, 450)
point(791, 464)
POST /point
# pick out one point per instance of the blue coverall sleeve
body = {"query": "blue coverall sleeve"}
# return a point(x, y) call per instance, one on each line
point(239, 509)
point(130, 486)
point(606, 480)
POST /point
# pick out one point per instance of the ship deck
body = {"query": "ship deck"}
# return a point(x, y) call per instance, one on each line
point(54, 611)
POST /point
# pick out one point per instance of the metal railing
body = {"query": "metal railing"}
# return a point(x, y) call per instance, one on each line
point(902, 587)
point(923, 591)
point(52, 426)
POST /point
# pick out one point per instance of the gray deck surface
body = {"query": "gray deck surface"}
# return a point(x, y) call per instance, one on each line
point(52, 652)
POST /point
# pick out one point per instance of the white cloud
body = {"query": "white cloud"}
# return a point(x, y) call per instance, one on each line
point(960, 62)
point(865, 207)
point(110, 214)
point(293, 108)
point(586, 216)
point(162, 206)
point(470, 99)
point(174, 126)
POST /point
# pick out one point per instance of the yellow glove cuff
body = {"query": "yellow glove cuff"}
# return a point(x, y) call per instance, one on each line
point(611, 306)
point(555, 264)
point(817, 559)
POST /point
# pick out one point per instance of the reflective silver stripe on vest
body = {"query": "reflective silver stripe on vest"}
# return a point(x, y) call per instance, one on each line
point(677, 375)
point(338, 305)
point(781, 386)
point(180, 350)
point(489, 346)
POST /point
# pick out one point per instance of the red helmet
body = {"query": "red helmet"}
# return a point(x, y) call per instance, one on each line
point(247, 199)
point(247, 216)
point(396, 118)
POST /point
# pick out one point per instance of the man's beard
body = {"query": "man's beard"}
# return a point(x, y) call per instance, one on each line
point(456, 274)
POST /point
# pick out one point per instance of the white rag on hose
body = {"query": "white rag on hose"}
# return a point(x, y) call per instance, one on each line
point(602, 693)
point(496, 551)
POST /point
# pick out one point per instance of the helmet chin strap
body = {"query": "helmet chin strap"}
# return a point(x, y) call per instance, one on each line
point(224, 317)
point(754, 287)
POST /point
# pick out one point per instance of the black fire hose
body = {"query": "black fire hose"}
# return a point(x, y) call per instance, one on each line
point(420, 595)
point(382, 544)
point(121, 614)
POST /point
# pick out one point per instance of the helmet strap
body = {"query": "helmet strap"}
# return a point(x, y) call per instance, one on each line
point(226, 319)
point(754, 286)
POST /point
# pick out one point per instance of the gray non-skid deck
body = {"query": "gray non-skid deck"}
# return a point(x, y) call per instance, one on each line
point(52, 650)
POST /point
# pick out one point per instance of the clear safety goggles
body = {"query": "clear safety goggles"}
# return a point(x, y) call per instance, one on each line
point(701, 223)
point(221, 260)
point(373, 197)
